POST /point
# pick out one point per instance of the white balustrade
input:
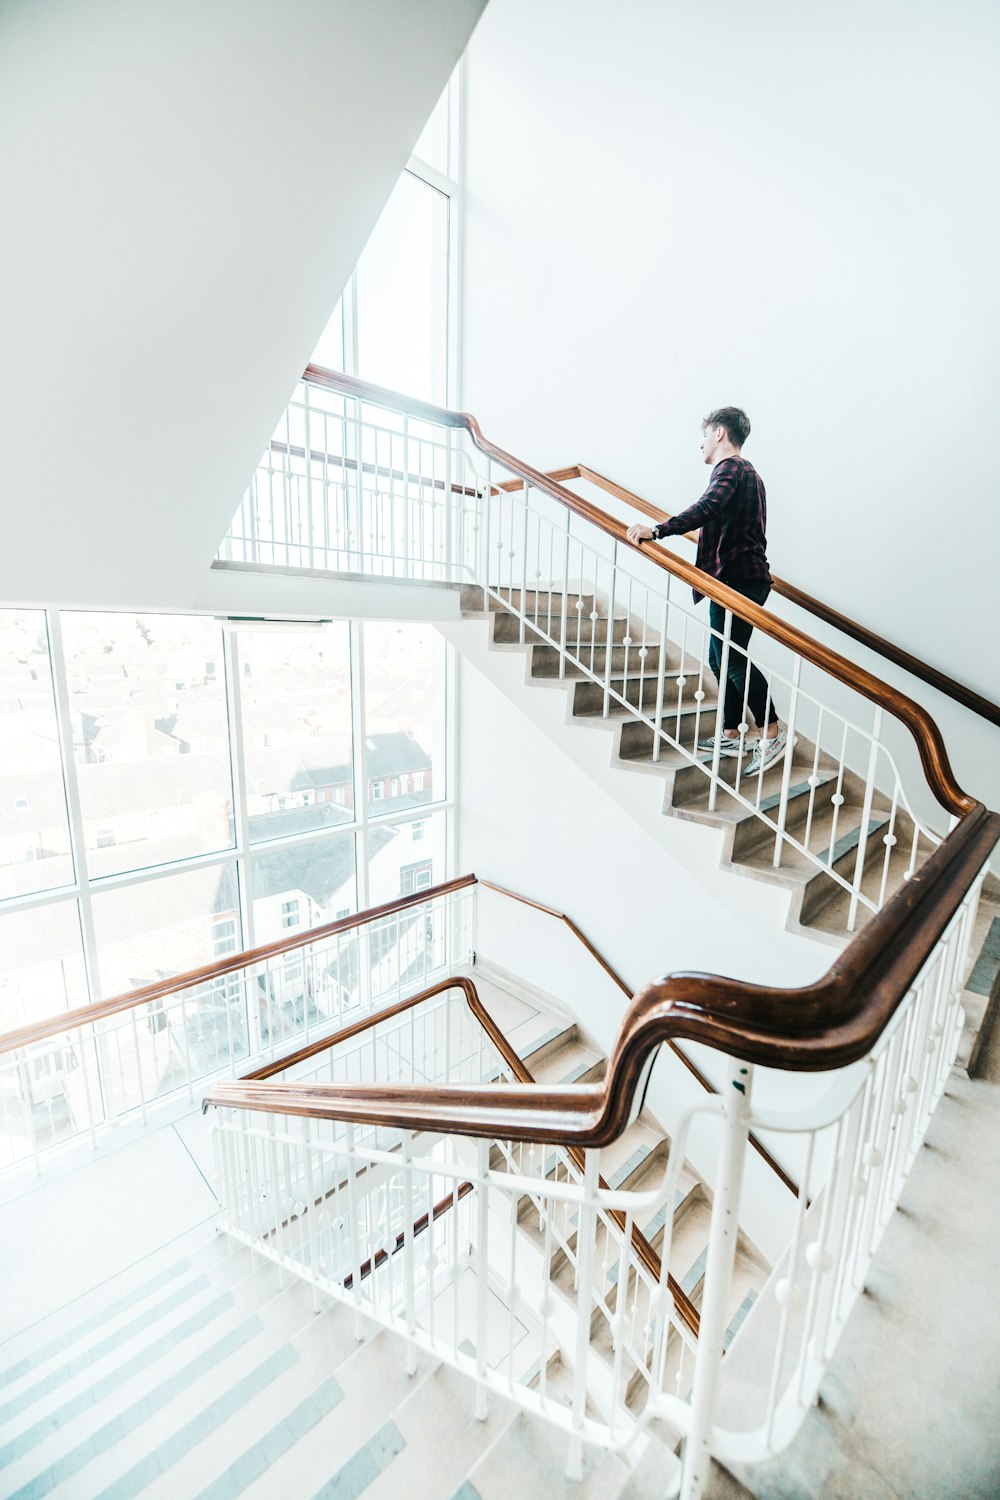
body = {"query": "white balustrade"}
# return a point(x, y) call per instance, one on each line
point(347, 487)
point(496, 1255)
point(350, 486)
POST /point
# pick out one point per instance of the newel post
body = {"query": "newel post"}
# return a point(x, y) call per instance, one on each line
point(723, 1234)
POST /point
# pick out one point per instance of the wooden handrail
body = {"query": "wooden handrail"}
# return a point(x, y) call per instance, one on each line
point(69, 1020)
point(692, 1067)
point(824, 1025)
point(515, 1063)
point(921, 725)
point(951, 688)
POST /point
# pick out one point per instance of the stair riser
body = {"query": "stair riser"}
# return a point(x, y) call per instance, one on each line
point(588, 697)
point(539, 601)
point(581, 630)
point(637, 739)
point(545, 661)
point(753, 834)
point(691, 784)
point(821, 889)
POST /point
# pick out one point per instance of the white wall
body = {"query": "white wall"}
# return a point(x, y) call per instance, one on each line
point(187, 185)
point(784, 206)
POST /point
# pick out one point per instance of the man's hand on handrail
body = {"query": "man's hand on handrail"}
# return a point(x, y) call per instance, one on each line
point(640, 533)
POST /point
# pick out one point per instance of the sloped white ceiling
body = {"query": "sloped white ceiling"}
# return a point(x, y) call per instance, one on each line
point(186, 186)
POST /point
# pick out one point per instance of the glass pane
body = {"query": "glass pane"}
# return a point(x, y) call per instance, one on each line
point(432, 146)
point(296, 695)
point(159, 928)
point(404, 715)
point(402, 280)
point(329, 352)
point(43, 971)
point(34, 831)
point(294, 888)
point(151, 931)
point(150, 727)
point(297, 886)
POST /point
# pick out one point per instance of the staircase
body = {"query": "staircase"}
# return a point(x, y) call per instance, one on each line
point(825, 803)
point(497, 1250)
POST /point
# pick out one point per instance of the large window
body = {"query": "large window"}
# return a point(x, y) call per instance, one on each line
point(190, 789)
point(395, 323)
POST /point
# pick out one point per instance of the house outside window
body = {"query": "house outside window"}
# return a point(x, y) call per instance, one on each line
point(224, 935)
point(414, 878)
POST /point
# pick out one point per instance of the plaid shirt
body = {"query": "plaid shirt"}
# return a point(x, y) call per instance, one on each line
point(732, 515)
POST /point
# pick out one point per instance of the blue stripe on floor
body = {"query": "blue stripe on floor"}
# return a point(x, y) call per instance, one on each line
point(696, 1274)
point(91, 1355)
point(626, 1169)
point(794, 792)
point(850, 841)
point(364, 1466)
point(737, 1323)
point(96, 1320)
point(46, 1426)
point(250, 1466)
point(987, 965)
point(467, 1491)
point(577, 1072)
point(543, 1041)
point(69, 1464)
point(274, 1444)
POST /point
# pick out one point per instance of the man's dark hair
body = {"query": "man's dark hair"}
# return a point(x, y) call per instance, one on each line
point(735, 421)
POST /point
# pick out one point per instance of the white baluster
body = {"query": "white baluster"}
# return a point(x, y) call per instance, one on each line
point(723, 1234)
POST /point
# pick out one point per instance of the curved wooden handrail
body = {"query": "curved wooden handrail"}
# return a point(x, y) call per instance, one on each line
point(951, 688)
point(682, 1057)
point(825, 1025)
point(69, 1020)
point(930, 745)
point(515, 1063)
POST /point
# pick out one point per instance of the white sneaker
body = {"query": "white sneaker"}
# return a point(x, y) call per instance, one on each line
point(728, 745)
point(767, 753)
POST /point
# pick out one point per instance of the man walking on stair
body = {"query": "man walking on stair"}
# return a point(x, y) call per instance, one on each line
point(732, 546)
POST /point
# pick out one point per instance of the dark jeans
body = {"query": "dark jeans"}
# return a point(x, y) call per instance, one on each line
point(736, 666)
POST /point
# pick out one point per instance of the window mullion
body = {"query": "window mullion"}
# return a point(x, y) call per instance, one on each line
point(74, 808)
point(241, 818)
point(360, 759)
